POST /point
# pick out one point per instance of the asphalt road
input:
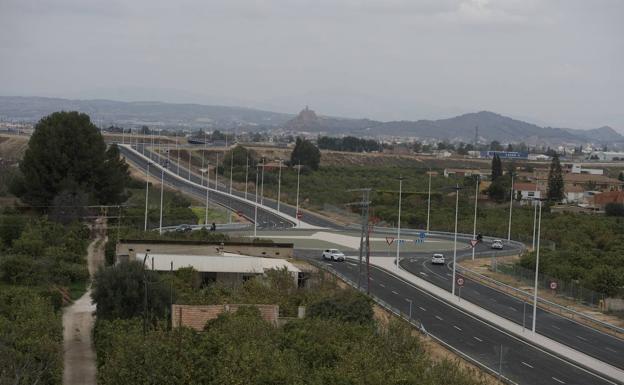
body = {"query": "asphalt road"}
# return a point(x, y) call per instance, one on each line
point(521, 362)
point(585, 339)
point(266, 219)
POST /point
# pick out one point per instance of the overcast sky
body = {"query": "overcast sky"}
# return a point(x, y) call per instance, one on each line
point(552, 62)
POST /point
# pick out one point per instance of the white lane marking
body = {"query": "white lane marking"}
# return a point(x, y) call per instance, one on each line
point(440, 318)
point(478, 339)
point(422, 308)
point(558, 380)
point(371, 278)
point(449, 274)
point(513, 308)
point(382, 285)
point(457, 327)
point(581, 338)
point(525, 364)
point(423, 273)
point(394, 292)
point(554, 327)
point(611, 350)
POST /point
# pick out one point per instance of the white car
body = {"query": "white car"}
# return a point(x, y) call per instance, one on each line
point(333, 255)
point(497, 244)
point(438, 259)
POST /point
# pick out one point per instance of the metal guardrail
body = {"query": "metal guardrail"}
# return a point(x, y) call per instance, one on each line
point(614, 328)
point(416, 323)
point(220, 226)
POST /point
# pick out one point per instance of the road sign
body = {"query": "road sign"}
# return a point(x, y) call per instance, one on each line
point(422, 235)
point(460, 281)
point(389, 240)
point(553, 285)
point(299, 215)
point(473, 243)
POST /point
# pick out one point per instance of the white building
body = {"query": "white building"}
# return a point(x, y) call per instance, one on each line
point(579, 169)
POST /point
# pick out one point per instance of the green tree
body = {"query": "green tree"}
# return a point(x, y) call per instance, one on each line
point(67, 153)
point(306, 154)
point(346, 307)
point(497, 168)
point(555, 180)
point(119, 292)
point(240, 155)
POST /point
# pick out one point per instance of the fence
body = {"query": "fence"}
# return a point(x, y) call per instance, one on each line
point(568, 289)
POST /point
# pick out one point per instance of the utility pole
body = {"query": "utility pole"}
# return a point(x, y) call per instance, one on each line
point(364, 204)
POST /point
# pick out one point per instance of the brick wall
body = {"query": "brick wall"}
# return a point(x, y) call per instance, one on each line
point(196, 316)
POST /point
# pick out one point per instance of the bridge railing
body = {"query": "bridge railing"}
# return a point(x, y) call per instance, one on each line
point(417, 324)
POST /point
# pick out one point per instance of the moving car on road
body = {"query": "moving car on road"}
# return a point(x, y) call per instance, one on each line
point(438, 259)
point(333, 255)
point(183, 228)
point(497, 244)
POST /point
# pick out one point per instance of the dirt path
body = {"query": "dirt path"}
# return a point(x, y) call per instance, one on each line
point(78, 319)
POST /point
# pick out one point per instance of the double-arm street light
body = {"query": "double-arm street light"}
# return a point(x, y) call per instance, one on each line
point(398, 245)
point(456, 188)
point(537, 255)
point(474, 225)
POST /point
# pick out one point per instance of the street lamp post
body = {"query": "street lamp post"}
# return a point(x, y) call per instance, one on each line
point(146, 193)
point(190, 164)
point(217, 174)
point(230, 197)
point(534, 217)
point(256, 205)
point(246, 173)
point(178, 151)
point(297, 209)
point(510, 207)
point(162, 190)
point(207, 171)
point(398, 245)
point(429, 202)
point(539, 228)
point(457, 188)
point(262, 185)
point(279, 185)
point(410, 308)
point(474, 225)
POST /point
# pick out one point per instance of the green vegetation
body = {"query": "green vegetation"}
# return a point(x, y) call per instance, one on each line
point(306, 154)
point(335, 345)
point(555, 181)
point(348, 143)
point(67, 162)
point(41, 264)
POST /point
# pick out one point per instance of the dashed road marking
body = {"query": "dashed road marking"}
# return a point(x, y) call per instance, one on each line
point(457, 327)
point(554, 327)
point(611, 350)
point(422, 308)
point(394, 292)
point(440, 318)
point(478, 339)
point(513, 308)
point(525, 364)
point(558, 380)
point(382, 285)
point(423, 273)
point(581, 338)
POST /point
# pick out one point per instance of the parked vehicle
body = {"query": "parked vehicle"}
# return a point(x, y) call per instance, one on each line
point(333, 255)
point(438, 259)
point(497, 244)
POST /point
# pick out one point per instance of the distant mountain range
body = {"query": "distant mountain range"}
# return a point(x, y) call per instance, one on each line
point(491, 126)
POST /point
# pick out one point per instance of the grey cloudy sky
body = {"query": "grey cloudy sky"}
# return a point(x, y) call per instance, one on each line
point(553, 62)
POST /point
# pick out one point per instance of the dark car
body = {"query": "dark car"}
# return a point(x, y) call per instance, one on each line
point(183, 228)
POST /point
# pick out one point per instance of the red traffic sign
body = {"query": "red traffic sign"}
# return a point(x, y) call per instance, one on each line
point(389, 240)
point(460, 281)
point(553, 285)
point(299, 215)
point(473, 243)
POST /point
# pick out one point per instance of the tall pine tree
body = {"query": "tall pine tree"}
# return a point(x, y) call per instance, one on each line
point(497, 168)
point(555, 180)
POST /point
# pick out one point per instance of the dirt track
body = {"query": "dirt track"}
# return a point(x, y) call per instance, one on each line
point(78, 319)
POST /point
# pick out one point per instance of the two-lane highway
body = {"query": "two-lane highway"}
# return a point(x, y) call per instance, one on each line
point(523, 363)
